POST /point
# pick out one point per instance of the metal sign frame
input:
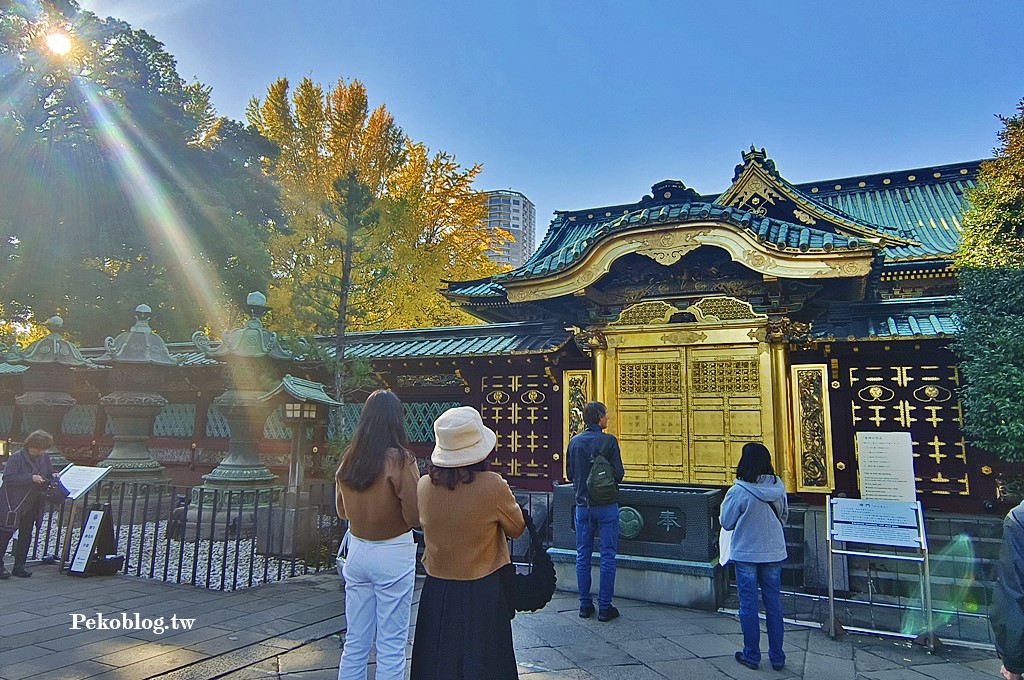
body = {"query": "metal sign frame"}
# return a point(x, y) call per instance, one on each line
point(920, 557)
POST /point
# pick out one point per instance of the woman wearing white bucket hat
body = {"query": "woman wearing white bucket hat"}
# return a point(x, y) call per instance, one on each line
point(463, 628)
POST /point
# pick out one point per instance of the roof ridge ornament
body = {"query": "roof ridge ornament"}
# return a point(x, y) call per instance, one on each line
point(138, 345)
point(51, 349)
point(249, 340)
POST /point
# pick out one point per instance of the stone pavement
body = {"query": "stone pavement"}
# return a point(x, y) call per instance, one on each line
point(295, 629)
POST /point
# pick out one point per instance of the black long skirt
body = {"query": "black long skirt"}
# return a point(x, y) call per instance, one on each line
point(463, 631)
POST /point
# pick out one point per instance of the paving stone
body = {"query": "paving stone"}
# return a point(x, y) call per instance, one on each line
point(817, 665)
point(226, 643)
point(895, 674)
point(570, 674)
point(626, 672)
point(538, 659)
point(525, 639)
point(309, 658)
point(706, 645)
point(689, 669)
point(950, 671)
point(651, 650)
point(820, 643)
point(865, 661)
point(591, 656)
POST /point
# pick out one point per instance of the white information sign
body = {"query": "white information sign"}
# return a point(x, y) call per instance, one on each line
point(876, 522)
point(84, 550)
point(78, 479)
point(886, 464)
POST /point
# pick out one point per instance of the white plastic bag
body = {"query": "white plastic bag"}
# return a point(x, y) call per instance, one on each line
point(724, 546)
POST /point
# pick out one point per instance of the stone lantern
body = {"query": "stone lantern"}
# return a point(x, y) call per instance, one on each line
point(140, 362)
point(47, 381)
point(249, 354)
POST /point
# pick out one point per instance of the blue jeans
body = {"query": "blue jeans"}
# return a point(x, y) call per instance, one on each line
point(605, 520)
point(768, 576)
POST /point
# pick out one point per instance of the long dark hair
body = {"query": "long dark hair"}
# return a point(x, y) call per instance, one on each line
point(755, 461)
point(381, 427)
point(441, 476)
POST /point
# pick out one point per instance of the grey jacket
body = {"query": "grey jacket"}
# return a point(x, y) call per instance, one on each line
point(1007, 612)
point(755, 514)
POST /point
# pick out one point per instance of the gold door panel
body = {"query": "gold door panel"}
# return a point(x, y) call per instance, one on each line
point(683, 414)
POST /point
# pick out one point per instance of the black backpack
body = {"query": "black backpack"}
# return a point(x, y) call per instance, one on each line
point(601, 485)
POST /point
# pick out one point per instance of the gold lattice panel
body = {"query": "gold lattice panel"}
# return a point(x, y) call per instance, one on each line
point(923, 401)
point(684, 414)
point(725, 377)
point(649, 378)
point(518, 408)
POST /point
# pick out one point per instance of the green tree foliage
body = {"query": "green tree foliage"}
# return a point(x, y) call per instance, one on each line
point(422, 226)
point(990, 266)
point(119, 183)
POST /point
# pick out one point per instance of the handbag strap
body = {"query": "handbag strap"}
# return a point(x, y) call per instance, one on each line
point(535, 542)
point(7, 499)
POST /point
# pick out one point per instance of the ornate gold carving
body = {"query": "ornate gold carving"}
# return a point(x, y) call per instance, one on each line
point(784, 329)
point(1009, 488)
point(759, 261)
point(723, 309)
point(643, 313)
point(590, 339)
point(804, 217)
point(933, 393)
point(649, 378)
point(615, 341)
point(875, 393)
point(667, 248)
point(684, 338)
point(725, 377)
point(429, 380)
point(814, 442)
point(847, 269)
point(758, 334)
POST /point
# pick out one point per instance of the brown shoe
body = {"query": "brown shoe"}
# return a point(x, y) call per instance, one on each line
point(21, 572)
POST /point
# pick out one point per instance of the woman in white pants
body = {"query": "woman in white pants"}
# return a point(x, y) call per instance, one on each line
point(376, 492)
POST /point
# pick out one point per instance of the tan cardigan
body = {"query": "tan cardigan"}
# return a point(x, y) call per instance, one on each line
point(388, 507)
point(465, 528)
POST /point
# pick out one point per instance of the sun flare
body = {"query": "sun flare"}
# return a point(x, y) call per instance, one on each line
point(58, 43)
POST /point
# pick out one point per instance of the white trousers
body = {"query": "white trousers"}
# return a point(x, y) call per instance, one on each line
point(379, 580)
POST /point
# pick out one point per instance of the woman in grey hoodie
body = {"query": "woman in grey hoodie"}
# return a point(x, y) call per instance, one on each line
point(754, 509)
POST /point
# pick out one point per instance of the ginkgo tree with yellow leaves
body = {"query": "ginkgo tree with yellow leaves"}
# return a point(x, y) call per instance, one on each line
point(374, 222)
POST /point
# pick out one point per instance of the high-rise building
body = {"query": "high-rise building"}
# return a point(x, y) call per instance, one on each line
point(513, 212)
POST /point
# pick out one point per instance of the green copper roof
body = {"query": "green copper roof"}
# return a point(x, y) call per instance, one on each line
point(303, 390)
point(775, 234)
point(926, 203)
point(888, 320)
point(489, 339)
point(922, 206)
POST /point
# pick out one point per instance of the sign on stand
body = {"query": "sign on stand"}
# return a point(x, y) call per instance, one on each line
point(78, 480)
point(885, 464)
point(876, 522)
point(896, 524)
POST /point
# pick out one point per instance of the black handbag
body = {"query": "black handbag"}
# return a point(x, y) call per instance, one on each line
point(532, 591)
point(55, 492)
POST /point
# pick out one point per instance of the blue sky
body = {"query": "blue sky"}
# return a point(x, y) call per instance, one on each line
point(582, 104)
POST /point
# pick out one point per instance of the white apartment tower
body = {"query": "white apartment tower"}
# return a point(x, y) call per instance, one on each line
point(513, 212)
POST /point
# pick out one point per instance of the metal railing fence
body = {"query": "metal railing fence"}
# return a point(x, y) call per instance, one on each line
point(221, 540)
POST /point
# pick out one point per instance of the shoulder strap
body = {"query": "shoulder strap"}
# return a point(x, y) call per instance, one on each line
point(606, 444)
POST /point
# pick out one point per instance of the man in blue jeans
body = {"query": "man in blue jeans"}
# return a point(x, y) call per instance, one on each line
point(602, 519)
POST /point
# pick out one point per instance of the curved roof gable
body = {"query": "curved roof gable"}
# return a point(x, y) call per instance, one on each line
point(757, 186)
